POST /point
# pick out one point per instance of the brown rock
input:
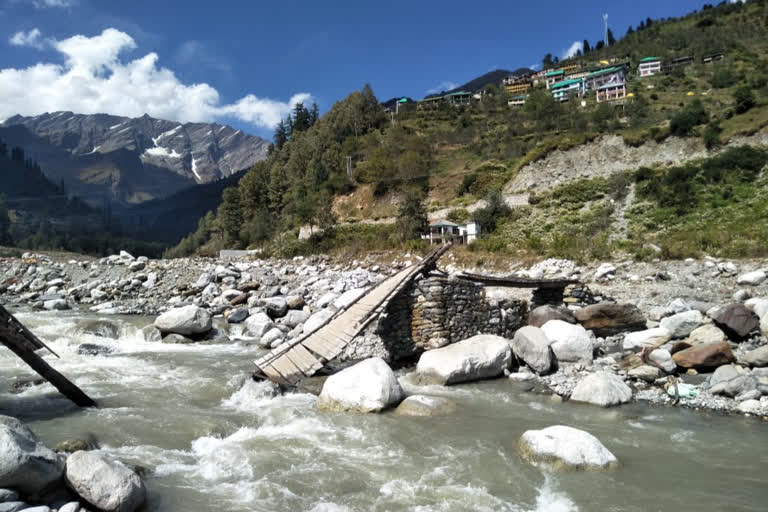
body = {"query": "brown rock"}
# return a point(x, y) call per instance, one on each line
point(703, 357)
point(249, 287)
point(736, 321)
point(543, 314)
point(239, 299)
point(609, 319)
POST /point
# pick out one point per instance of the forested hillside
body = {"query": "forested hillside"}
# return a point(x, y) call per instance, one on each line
point(447, 158)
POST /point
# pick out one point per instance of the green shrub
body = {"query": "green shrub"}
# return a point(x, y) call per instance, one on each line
point(745, 99)
point(683, 123)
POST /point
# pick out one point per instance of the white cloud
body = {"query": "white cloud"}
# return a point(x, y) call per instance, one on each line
point(31, 39)
point(445, 85)
point(95, 79)
point(42, 4)
point(571, 51)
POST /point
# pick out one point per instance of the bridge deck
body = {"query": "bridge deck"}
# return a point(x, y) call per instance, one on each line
point(293, 361)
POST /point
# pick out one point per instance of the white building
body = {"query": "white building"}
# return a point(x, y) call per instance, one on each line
point(649, 66)
point(442, 232)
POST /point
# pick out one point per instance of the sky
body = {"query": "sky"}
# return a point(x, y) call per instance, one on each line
point(245, 63)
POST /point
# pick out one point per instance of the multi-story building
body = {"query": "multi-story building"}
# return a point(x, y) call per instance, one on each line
point(518, 88)
point(601, 77)
point(552, 77)
point(517, 101)
point(649, 66)
point(611, 92)
point(564, 90)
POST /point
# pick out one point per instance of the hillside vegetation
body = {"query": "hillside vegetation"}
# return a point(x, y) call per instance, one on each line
point(452, 156)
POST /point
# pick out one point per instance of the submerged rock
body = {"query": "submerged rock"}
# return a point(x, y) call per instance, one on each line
point(106, 484)
point(602, 388)
point(186, 320)
point(561, 447)
point(26, 464)
point(92, 349)
point(422, 405)
point(480, 357)
point(368, 386)
point(101, 328)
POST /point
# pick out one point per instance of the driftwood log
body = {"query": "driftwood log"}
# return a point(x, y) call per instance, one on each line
point(24, 344)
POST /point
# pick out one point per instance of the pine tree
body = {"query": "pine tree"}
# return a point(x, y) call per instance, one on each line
point(281, 135)
point(586, 47)
point(547, 61)
point(314, 114)
point(611, 39)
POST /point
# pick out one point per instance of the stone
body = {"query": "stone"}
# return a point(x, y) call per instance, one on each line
point(102, 328)
point(570, 343)
point(106, 484)
point(605, 270)
point(137, 266)
point(294, 301)
point(707, 333)
point(56, 305)
point(238, 316)
point(349, 297)
point(276, 307)
point(735, 386)
point(368, 386)
point(682, 324)
point(752, 407)
point(602, 388)
point(608, 319)
point(177, 339)
point(752, 278)
point(13, 506)
point(270, 337)
point(756, 358)
point(645, 372)
point(703, 357)
point(561, 447)
point(736, 321)
point(295, 317)
point(318, 319)
point(152, 333)
point(422, 405)
point(764, 325)
point(663, 360)
point(72, 506)
point(185, 320)
point(93, 349)
point(203, 281)
point(650, 338)
point(545, 313)
point(532, 346)
point(76, 445)
point(8, 495)
point(742, 295)
point(259, 324)
point(759, 305)
point(482, 356)
point(26, 464)
point(724, 374)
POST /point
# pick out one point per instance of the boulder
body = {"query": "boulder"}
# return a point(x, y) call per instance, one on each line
point(756, 358)
point(736, 321)
point(13, 506)
point(752, 407)
point(650, 338)
point(102, 328)
point(294, 301)
point(106, 484)
point(609, 319)
point(561, 447)
point(185, 320)
point(602, 388)
point(151, 333)
point(735, 386)
point(238, 316)
point(56, 305)
point(544, 314)
point(605, 270)
point(724, 374)
point(570, 343)
point(270, 337)
point(422, 405)
point(295, 317)
point(705, 357)
point(368, 386)
point(759, 305)
point(276, 307)
point(480, 357)
point(645, 372)
point(532, 346)
point(682, 324)
point(177, 339)
point(663, 359)
point(707, 333)
point(26, 464)
point(258, 325)
point(93, 349)
point(752, 278)
point(764, 325)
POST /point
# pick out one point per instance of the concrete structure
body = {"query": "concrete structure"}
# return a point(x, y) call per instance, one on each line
point(517, 101)
point(601, 77)
point(442, 232)
point(454, 99)
point(649, 66)
point(611, 92)
point(564, 90)
point(518, 88)
point(552, 77)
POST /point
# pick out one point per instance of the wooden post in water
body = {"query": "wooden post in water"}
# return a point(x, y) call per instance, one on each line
point(23, 343)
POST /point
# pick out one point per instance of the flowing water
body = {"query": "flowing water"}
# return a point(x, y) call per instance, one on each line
point(214, 441)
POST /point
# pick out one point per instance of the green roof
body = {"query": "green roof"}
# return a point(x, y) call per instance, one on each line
point(403, 100)
point(520, 97)
point(554, 73)
point(649, 59)
point(564, 83)
point(605, 71)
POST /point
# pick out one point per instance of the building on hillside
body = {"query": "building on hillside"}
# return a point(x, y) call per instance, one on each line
point(709, 59)
point(570, 68)
point(566, 89)
point(680, 62)
point(518, 88)
point(453, 99)
point(517, 101)
point(611, 92)
point(552, 77)
point(442, 231)
point(579, 73)
point(649, 66)
point(601, 77)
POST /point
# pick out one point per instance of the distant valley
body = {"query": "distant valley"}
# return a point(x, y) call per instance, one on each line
point(127, 161)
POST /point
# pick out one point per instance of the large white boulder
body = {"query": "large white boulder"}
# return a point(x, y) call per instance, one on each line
point(26, 464)
point(106, 484)
point(185, 320)
point(259, 324)
point(532, 346)
point(603, 389)
point(569, 342)
point(368, 386)
point(480, 357)
point(752, 278)
point(648, 338)
point(562, 447)
point(682, 324)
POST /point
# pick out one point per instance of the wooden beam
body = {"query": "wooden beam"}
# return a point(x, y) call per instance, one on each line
point(23, 343)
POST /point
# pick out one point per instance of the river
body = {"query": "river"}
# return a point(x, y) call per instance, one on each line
point(213, 440)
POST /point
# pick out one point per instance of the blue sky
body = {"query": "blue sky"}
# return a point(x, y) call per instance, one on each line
point(244, 62)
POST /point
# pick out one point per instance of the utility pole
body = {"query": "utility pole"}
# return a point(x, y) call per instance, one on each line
point(605, 23)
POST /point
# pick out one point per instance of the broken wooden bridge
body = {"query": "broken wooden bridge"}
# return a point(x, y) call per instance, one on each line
point(295, 360)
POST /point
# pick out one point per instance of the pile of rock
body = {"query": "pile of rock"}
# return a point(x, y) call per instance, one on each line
point(34, 477)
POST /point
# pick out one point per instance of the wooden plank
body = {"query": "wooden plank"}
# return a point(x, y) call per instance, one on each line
point(22, 343)
point(274, 375)
point(319, 346)
point(287, 369)
point(305, 358)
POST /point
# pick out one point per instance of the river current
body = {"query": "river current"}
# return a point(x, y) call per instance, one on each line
point(213, 440)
